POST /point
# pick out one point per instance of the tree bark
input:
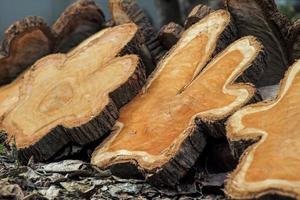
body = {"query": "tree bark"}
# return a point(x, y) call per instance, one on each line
point(169, 35)
point(79, 21)
point(124, 11)
point(196, 14)
point(24, 42)
point(261, 19)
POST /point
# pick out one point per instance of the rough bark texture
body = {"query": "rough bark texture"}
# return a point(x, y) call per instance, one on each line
point(261, 19)
point(171, 172)
point(124, 11)
point(197, 13)
point(24, 42)
point(170, 34)
point(82, 132)
point(294, 41)
point(146, 154)
point(270, 165)
point(79, 21)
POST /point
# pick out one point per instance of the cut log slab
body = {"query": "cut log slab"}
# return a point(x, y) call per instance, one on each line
point(74, 97)
point(197, 13)
point(25, 41)
point(169, 35)
point(79, 21)
point(125, 11)
point(261, 19)
point(156, 133)
point(271, 165)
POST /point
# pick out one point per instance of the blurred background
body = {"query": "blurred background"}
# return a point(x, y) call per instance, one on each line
point(160, 11)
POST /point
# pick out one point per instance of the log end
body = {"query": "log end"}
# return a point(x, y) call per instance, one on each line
point(79, 21)
point(25, 41)
point(273, 128)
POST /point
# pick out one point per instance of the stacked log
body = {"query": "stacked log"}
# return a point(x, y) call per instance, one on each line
point(56, 95)
point(30, 39)
point(159, 104)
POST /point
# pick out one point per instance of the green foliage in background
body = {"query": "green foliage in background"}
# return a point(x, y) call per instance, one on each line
point(289, 10)
point(1, 149)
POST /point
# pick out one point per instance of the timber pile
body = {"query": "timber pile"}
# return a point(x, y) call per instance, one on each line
point(198, 109)
point(29, 39)
point(74, 97)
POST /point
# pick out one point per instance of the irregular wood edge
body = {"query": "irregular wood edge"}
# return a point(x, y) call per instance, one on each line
point(228, 36)
point(196, 14)
point(225, 39)
point(254, 73)
point(95, 129)
point(80, 10)
point(135, 14)
point(21, 27)
point(207, 126)
point(239, 143)
point(170, 173)
point(251, 75)
point(169, 35)
point(177, 166)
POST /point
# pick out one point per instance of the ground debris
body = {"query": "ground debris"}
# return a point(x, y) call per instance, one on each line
point(50, 193)
point(10, 191)
point(76, 179)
